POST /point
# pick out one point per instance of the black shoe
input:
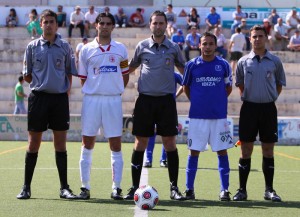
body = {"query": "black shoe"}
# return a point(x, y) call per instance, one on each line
point(271, 195)
point(116, 194)
point(240, 195)
point(189, 194)
point(224, 195)
point(25, 193)
point(67, 193)
point(130, 194)
point(175, 194)
point(84, 194)
point(148, 164)
point(164, 163)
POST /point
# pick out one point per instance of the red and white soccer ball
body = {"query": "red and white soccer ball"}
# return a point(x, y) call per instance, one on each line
point(146, 197)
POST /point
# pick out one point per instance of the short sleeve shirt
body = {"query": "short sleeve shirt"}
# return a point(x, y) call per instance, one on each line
point(103, 68)
point(49, 65)
point(260, 77)
point(157, 66)
point(213, 18)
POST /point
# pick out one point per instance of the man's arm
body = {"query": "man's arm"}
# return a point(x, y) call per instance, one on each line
point(179, 91)
point(186, 90)
point(228, 90)
point(28, 78)
point(125, 79)
point(279, 89)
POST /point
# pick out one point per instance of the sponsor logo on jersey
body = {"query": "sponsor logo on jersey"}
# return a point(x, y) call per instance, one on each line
point(218, 67)
point(105, 69)
point(208, 81)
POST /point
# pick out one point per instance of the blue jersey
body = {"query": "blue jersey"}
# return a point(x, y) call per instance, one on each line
point(207, 82)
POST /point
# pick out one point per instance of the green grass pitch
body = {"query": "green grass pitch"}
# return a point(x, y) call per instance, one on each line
point(45, 185)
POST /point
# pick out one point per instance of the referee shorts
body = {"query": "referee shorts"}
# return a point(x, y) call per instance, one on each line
point(258, 118)
point(48, 111)
point(155, 110)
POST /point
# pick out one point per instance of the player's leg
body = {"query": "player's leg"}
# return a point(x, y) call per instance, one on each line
point(37, 123)
point(268, 136)
point(220, 141)
point(34, 139)
point(112, 121)
point(166, 125)
point(59, 120)
point(191, 171)
point(248, 130)
point(149, 151)
point(143, 128)
point(163, 158)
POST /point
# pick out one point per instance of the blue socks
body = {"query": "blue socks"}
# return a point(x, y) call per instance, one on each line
point(191, 170)
point(224, 171)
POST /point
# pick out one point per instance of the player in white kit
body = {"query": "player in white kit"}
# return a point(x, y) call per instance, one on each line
point(103, 69)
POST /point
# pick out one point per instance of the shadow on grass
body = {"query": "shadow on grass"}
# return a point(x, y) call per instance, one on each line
point(195, 203)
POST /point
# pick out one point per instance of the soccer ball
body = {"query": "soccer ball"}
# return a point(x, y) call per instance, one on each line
point(146, 197)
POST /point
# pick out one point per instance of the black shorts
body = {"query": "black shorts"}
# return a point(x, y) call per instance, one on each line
point(48, 111)
point(236, 55)
point(155, 110)
point(258, 118)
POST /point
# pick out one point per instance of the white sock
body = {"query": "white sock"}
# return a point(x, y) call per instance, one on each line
point(117, 168)
point(85, 164)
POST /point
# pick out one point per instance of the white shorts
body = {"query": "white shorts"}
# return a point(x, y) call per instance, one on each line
point(215, 132)
point(102, 112)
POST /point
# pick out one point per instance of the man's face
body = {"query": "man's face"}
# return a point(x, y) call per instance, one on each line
point(49, 25)
point(158, 26)
point(105, 27)
point(208, 46)
point(258, 39)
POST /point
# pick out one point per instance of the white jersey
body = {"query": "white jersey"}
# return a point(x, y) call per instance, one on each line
point(103, 68)
point(238, 40)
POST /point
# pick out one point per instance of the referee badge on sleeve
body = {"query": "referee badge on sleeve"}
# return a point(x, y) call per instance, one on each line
point(58, 63)
point(168, 61)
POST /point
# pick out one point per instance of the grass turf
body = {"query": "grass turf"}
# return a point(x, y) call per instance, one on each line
point(45, 185)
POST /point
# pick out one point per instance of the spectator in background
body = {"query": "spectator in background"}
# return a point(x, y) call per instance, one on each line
point(237, 16)
point(268, 28)
point(90, 18)
point(193, 19)
point(236, 46)
point(12, 19)
point(19, 97)
point(171, 18)
point(121, 18)
point(78, 48)
point(33, 24)
point(106, 9)
point(273, 17)
point(294, 44)
point(246, 30)
point(76, 20)
point(212, 20)
point(137, 19)
point(221, 43)
point(61, 16)
point(281, 33)
point(178, 38)
point(192, 41)
point(292, 19)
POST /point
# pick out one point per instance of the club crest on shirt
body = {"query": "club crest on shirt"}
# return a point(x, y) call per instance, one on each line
point(58, 62)
point(168, 61)
point(218, 68)
point(112, 58)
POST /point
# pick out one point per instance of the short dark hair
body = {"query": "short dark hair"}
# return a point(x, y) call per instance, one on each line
point(20, 79)
point(257, 28)
point(49, 13)
point(170, 5)
point(109, 15)
point(158, 13)
point(209, 34)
